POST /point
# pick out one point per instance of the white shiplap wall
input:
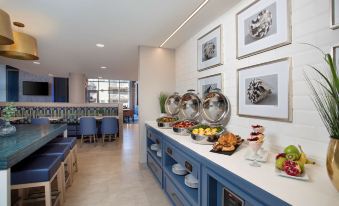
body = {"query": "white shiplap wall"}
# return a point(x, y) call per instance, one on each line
point(310, 23)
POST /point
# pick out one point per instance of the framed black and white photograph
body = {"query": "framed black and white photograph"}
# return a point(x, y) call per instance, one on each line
point(262, 26)
point(210, 52)
point(264, 90)
point(335, 55)
point(334, 14)
point(209, 83)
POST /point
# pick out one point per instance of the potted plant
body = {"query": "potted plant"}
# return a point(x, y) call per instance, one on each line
point(162, 101)
point(8, 112)
point(325, 95)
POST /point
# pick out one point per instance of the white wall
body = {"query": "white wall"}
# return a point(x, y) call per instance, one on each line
point(310, 23)
point(156, 74)
point(77, 88)
point(2, 83)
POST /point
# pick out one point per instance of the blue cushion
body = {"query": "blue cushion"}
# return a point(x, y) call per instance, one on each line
point(61, 140)
point(54, 149)
point(35, 169)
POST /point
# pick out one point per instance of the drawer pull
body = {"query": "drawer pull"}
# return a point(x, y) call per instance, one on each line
point(157, 141)
point(169, 151)
point(176, 200)
point(188, 166)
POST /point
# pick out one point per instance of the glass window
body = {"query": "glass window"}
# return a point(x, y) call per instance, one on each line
point(109, 91)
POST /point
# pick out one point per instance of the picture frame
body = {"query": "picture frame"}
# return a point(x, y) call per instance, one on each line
point(208, 83)
point(334, 14)
point(210, 49)
point(252, 38)
point(264, 90)
point(335, 54)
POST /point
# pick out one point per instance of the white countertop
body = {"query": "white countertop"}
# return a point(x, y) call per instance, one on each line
point(317, 191)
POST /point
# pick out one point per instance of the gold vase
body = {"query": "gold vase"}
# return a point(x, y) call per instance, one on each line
point(332, 162)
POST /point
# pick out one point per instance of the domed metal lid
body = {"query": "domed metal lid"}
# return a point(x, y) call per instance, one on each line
point(215, 107)
point(190, 105)
point(172, 104)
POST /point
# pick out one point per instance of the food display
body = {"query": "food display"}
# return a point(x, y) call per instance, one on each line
point(255, 141)
point(181, 127)
point(172, 109)
point(166, 122)
point(205, 134)
point(292, 161)
point(227, 142)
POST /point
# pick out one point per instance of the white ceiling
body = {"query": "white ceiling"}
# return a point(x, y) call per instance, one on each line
point(67, 31)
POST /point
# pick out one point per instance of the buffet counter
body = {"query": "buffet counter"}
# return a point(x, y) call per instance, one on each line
point(256, 180)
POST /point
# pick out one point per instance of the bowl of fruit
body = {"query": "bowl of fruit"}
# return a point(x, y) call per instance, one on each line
point(166, 122)
point(182, 127)
point(205, 134)
point(291, 163)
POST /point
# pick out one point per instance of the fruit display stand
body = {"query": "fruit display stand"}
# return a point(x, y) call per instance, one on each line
point(257, 186)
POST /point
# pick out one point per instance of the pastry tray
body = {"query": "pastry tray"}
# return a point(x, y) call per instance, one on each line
point(229, 153)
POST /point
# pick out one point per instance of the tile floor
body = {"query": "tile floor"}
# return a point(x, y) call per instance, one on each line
point(111, 175)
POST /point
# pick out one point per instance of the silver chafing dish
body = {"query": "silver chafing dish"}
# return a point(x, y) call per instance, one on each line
point(215, 108)
point(190, 107)
point(172, 107)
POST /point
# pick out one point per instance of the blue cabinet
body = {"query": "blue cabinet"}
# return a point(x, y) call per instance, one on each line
point(217, 185)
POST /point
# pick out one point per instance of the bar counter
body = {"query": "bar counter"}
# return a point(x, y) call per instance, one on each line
point(13, 149)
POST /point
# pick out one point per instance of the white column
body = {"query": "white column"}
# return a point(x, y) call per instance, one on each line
point(5, 187)
point(156, 74)
point(77, 88)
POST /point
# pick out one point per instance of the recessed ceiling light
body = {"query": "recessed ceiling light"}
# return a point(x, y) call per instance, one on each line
point(51, 75)
point(36, 62)
point(100, 45)
point(183, 23)
point(103, 67)
point(99, 77)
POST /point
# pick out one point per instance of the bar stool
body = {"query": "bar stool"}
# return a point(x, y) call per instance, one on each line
point(109, 126)
point(72, 142)
point(40, 121)
point(64, 152)
point(88, 127)
point(38, 171)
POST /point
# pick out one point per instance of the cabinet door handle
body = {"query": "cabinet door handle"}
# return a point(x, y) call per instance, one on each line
point(157, 141)
point(176, 199)
point(188, 166)
point(169, 151)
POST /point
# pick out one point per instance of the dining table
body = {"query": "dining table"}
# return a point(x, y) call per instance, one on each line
point(27, 139)
point(14, 119)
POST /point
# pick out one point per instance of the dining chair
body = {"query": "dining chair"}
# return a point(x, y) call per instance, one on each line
point(88, 128)
point(109, 126)
point(40, 121)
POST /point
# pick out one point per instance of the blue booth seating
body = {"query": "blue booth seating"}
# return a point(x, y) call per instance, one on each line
point(35, 169)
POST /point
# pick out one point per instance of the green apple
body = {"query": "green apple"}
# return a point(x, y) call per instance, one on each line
point(279, 163)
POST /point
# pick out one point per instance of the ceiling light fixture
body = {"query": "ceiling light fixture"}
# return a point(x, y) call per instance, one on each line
point(103, 67)
point(36, 62)
point(51, 75)
point(190, 17)
point(6, 35)
point(25, 47)
point(100, 45)
point(99, 77)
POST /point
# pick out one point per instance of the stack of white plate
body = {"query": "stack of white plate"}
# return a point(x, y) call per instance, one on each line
point(191, 181)
point(178, 169)
point(159, 152)
point(155, 147)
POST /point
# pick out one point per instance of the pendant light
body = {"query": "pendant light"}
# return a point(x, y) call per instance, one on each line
point(24, 47)
point(6, 36)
